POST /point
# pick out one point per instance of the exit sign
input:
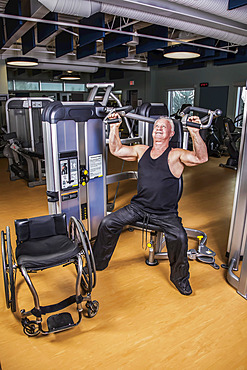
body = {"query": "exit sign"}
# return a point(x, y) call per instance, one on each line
point(204, 84)
point(132, 83)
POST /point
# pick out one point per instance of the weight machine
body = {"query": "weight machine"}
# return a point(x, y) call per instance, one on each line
point(180, 139)
point(75, 157)
point(237, 240)
point(24, 148)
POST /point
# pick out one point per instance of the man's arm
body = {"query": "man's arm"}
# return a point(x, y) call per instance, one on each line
point(199, 154)
point(125, 152)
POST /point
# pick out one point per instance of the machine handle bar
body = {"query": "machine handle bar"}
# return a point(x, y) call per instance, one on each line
point(125, 112)
point(206, 121)
point(121, 110)
point(195, 109)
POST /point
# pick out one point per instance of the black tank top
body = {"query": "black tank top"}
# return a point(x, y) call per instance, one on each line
point(157, 187)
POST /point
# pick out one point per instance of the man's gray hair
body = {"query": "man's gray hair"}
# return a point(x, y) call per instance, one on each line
point(167, 119)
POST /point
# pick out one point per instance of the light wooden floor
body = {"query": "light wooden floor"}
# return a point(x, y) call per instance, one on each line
point(143, 321)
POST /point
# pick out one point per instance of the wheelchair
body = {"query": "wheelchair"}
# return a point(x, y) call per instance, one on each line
point(44, 242)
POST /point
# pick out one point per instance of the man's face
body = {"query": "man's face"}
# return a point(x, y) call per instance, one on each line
point(162, 130)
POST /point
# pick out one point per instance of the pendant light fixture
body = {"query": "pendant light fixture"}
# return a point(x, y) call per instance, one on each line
point(22, 62)
point(182, 52)
point(70, 76)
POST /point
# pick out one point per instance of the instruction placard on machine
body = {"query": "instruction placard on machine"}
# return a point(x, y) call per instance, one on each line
point(69, 173)
point(95, 166)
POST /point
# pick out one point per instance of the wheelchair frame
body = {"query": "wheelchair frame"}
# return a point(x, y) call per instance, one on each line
point(85, 282)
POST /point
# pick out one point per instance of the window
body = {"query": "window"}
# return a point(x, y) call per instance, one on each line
point(10, 85)
point(45, 86)
point(26, 85)
point(176, 98)
point(74, 87)
point(51, 86)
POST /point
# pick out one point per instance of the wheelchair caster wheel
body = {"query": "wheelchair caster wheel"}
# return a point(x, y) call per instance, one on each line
point(92, 308)
point(30, 328)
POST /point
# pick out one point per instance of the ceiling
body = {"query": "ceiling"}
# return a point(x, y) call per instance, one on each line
point(88, 36)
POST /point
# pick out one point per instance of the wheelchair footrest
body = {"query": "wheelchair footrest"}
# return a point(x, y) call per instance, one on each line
point(59, 322)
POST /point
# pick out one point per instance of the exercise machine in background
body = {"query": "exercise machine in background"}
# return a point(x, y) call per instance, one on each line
point(232, 141)
point(24, 139)
point(223, 139)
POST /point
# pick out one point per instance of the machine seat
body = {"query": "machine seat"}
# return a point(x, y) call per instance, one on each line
point(32, 154)
point(43, 242)
point(141, 225)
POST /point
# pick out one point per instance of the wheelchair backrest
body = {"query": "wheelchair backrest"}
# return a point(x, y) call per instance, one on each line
point(40, 227)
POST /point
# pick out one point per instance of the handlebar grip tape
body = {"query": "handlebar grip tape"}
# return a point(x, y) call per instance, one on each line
point(110, 121)
point(193, 124)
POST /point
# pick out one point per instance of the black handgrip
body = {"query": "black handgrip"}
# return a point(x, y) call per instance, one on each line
point(195, 109)
point(193, 124)
point(126, 109)
point(110, 121)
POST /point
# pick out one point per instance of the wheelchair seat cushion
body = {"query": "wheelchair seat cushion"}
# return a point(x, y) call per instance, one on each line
point(46, 252)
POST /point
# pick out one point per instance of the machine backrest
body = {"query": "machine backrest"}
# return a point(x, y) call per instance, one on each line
point(177, 139)
point(157, 110)
point(40, 227)
point(152, 109)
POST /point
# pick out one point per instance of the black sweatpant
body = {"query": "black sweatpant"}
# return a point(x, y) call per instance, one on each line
point(176, 238)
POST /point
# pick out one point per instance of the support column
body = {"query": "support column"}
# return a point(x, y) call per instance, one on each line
point(3, 78)
point(3, 92)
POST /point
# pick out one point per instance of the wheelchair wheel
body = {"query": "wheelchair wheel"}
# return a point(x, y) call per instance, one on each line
point(77, 236)
point(92, 308)
point(12, 271)
point(90, 253)
point(9, 271)
point(30, 328)
point(5, 275)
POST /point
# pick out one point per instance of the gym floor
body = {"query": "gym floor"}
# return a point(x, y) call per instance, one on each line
point(143, 321)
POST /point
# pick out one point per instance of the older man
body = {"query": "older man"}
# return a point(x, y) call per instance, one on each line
point(159, 170)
